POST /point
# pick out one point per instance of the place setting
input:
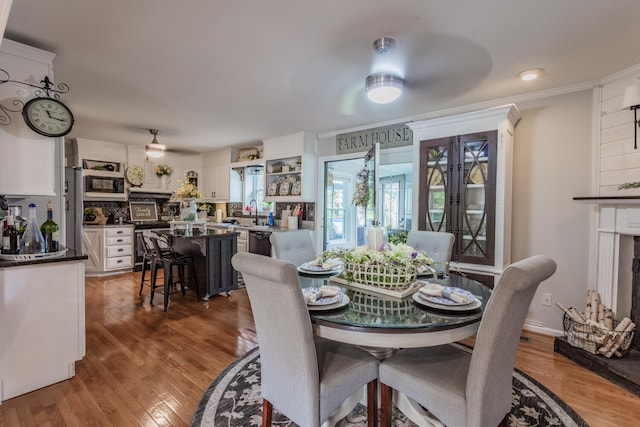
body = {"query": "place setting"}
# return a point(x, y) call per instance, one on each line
point(318, 267)
point(446, 298)
point(325, 298)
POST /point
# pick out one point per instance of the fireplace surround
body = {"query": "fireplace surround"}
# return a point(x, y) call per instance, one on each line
point(617, 217)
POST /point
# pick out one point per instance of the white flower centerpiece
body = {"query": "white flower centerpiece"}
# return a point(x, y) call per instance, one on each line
point(189, 197)
point(392, 266)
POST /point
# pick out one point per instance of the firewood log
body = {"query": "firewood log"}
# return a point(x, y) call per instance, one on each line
point(618, 334)
point(608, 319)
point(601, 309)
point(595, 304)
point(570, 313)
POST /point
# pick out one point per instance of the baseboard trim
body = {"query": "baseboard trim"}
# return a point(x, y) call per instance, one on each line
point(539, 328)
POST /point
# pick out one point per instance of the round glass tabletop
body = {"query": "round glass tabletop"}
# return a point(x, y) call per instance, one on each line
point(373, 312)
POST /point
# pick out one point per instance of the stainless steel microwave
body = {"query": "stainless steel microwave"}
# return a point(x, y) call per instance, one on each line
point(104, 187)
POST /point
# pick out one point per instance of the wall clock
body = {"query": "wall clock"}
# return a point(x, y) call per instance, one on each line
point(135, 175)
point(48, 117)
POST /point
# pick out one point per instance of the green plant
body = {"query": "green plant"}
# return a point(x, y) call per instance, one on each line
point(90, 211)
point(396, 237)
point(629, 185)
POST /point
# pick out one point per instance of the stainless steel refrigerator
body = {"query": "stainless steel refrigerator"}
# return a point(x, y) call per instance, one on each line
point(74, 210)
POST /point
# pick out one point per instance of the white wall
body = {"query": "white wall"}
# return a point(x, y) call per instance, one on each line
point(552, 164)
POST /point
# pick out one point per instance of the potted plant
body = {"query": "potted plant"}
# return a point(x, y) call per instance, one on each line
point(90, 214)
point(189, 197)
point(391, 266)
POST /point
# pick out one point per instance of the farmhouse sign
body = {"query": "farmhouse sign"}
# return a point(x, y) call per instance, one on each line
point(390, 136)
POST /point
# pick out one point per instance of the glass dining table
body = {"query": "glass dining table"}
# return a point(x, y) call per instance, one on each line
point(375, 320)
point(382, 324)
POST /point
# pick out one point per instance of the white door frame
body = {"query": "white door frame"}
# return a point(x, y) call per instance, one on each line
point(319, 230)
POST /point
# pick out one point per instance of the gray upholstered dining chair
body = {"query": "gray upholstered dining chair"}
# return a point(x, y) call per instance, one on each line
point(462, 389)
point(305, 377)
point(295, 246)
point(436, 244)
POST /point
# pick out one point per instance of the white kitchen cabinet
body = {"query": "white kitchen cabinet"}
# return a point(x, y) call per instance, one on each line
point(290, 168)
point(29, 169)
point(216, 183)
point(118, 248)
point(42, 314)
point(93, 248)
point(28, 159)
point(110, 249)
point(219, 182)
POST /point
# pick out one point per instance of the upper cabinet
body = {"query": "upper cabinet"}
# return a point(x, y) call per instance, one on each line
point(290, 166)
point(219, 182)
point(29, 160)
point(463, 185)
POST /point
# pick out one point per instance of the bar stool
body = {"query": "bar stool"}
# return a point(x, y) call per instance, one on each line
point(168, 259)
point(148, 255)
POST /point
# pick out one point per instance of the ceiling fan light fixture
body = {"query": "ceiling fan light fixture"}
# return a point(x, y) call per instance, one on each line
point(154, 149)
point(531, 74)
point(383, 88)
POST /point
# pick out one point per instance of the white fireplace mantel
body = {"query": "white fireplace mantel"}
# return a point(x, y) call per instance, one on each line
point(617, 216)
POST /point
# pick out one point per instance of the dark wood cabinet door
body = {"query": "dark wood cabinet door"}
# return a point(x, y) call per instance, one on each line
point(435, 200)
point(458, 193)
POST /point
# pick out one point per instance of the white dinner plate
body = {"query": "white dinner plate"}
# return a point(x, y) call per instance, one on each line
point(343, 302)
point(446, 301)
point(321, 301)
point(308, 268)
point(420, 299)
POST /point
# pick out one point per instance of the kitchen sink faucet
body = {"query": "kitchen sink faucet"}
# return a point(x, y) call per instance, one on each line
point(253, 201)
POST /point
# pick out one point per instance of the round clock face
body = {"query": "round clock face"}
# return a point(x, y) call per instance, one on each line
point(48, 117)
point(135, 175)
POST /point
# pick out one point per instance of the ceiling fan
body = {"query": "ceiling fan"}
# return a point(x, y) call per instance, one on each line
point(156, 150)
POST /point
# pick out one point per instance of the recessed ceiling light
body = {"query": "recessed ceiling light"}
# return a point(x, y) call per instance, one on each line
point(532, 74)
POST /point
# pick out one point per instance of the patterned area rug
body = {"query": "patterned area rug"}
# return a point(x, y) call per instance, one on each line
point(233, 399)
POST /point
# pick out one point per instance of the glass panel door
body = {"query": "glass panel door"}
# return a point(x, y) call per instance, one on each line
point(477, 194)
point(436, 202)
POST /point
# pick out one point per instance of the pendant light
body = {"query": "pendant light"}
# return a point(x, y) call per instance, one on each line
point(155, 149)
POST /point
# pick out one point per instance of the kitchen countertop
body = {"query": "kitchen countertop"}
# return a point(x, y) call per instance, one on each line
point(212, 234)
point(70, 255)
point(251, 227)
point(107, 225)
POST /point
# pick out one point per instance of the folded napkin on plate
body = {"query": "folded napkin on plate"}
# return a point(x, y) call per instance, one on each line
point(435, 290)
point(322, 292)
point(325, 265)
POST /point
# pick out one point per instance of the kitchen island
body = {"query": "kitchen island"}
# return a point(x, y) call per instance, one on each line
point(211, 251)
point(42, 322)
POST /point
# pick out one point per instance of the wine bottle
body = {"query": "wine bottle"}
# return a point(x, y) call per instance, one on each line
point(32, 241)
point(10, 238)
point(50, 232)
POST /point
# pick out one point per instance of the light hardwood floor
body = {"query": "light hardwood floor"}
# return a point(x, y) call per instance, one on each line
point(145, 367)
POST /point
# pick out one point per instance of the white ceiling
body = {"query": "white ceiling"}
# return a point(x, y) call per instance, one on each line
point(211, 73)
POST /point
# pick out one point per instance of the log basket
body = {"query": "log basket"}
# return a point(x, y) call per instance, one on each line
point(597, 340)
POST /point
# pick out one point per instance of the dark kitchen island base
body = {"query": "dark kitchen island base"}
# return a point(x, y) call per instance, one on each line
point(211, 252)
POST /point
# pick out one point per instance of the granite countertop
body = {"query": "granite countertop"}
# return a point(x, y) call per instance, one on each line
point(70, 255)
point(196, 233)
point(107, 225)
point(251, 227)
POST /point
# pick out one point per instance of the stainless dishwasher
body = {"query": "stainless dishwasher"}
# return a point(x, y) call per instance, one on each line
point(259, 242)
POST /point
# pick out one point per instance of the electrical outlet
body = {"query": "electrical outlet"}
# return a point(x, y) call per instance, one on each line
point(546, 299)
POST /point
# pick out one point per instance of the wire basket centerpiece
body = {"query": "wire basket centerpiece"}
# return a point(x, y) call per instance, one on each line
point(390, 267)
